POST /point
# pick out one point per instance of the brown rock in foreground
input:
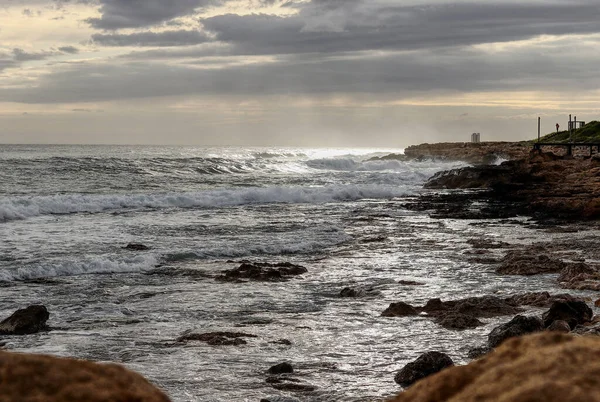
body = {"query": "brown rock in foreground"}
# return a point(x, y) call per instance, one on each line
point(548, 366)
point(36, 378)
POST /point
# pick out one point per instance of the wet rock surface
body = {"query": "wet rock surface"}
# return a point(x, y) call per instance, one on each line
point(458, 321)
point(573, 312)
point(427, 364)
point(522, 263)
point(262, 271)
point(400, 309)
point(136, 247)
point(26, 321)
point(547, 366)
point(281, 368)
point(217, 338)
point(25, 377)
point(520, 325)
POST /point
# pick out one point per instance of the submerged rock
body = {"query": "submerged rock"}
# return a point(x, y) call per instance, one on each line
point(458, 321)
point(520, 325)
point(26, 377)
point(573, 312)
point(136, 247)
point(547, 366)
point(263, 271)
point(427, 364)
point(281, 368)
point(218, 338)
point(358, 292)
point(26, 321)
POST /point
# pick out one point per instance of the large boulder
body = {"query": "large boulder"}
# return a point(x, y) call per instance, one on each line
point(399, 309)
point(520, 325)
point(25, 321)
point(458, 321)
point(32, 378)
point(575, 313)
point(548, 366)
point(427, 364)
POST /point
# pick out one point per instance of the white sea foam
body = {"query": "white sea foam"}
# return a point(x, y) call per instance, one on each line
point(96, 265)
point(12, 208)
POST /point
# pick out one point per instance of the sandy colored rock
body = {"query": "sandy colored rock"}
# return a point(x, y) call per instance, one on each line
point(548, 366)
point(36, 378)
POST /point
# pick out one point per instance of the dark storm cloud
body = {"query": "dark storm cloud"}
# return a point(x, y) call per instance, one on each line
point(117, 14)
point(352, 25)
point(168, 38)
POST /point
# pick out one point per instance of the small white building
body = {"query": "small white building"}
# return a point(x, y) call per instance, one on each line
point(475, 137)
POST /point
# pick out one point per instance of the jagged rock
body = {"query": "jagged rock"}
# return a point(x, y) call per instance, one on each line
point(281, 368)
point(559, 326)
point(26, 377)
point(427, 364)
point(26, 321)
point(538, 299)
point(523, 263)
point(573, 312)
point(484, 307)
point(399, 309)
point(520, 325)
point(263, 271)
point(548, 366)
point(136, 247)
point(458, 321)
point(218, 338)
point(580, 276)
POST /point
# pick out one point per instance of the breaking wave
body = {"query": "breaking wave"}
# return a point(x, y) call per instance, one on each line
point(14, 208)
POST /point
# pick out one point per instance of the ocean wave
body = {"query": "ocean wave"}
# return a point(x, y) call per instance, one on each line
point(15, 208)
point(97, 265)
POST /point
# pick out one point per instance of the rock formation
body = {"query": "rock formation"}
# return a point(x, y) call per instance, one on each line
point(25, 321)
point(548, 366)
point(25, 377)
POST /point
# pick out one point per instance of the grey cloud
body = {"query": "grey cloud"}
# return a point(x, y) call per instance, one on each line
point(394, 75)
point(117, 14)
point(353, 25)
point(69, 49)
point(167, 38)
point(22, 55)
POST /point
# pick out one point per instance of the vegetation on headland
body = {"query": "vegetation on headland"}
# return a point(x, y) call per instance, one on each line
point(588, 133)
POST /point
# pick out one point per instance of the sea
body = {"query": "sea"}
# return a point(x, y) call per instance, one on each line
point(67, 213)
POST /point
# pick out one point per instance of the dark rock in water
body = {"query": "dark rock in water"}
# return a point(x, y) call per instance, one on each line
point(279, 399)
point(427, 364)
point(579, 276)
point(281, 368)
point(458, 321)
point(262, 271)
point(26, 321)
point(218, 338)
point(410, 283)
point(285, 342)
point(476, 353)
point(399, 309)
point(538, 299)
point(523, 263)
point(483, 307)
point(559, 326)
point(573, 312)
point(487, 244)
point(294, 387)
point(520, 325)
point(136, 247)
point(358, 292)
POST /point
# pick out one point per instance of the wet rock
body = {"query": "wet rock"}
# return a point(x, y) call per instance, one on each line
point(548, 366)
point(476, 353)
point(279, 399)
point(481, 307)
point(358, 292)
point(399, 309)
point(136, 247)
point(458, 321)
point(26, 377)
point(263, 271)
point(538, 299)
point(597, 303)
point(26, 321)
point(294, 387)
point(218, 338)
point(427, 364)
point(523, 263)
point(559, 326)
point(580, 276)
point(573, 312)
point(520, 325)
point(410, 283)
point(487, 244)
point(285, 342)
point(281, 368)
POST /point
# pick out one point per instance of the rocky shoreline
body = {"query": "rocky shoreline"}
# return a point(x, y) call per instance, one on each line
point(561, 193)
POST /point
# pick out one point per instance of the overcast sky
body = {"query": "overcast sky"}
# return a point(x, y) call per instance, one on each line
point(378, 73)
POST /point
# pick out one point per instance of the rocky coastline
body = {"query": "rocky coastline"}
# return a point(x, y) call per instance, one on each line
point(559, 192)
